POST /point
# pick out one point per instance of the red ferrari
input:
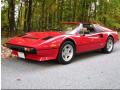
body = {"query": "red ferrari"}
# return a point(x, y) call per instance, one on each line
point(74, 38)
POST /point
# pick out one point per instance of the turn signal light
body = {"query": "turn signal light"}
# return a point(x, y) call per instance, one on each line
point(29, 50)
point(53, 45)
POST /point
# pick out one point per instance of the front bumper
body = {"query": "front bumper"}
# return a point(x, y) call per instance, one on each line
point(34, 54)
point(21, 49)
point(42, 55)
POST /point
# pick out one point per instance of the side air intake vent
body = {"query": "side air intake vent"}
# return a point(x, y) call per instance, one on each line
point(48, 37)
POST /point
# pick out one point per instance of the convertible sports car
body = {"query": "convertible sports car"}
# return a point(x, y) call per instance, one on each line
point(75, 37)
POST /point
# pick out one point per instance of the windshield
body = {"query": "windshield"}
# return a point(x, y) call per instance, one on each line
point(71, 28)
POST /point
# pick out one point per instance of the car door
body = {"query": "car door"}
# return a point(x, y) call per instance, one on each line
point(84, 43)
point(95, 40)
point(90, 41)
point(97, 37)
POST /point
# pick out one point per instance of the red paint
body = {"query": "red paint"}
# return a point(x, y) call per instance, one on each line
point(48, 49)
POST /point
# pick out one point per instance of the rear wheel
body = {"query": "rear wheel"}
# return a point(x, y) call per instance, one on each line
point(66, 52)
point(109, 45)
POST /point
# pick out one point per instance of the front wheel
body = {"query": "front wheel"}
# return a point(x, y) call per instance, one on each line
point(66, 52)
point(109, 45)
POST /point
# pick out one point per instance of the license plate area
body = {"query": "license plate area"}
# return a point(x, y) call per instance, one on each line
point(21, 55)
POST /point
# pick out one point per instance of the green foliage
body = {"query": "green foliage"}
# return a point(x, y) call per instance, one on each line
point(48, 13)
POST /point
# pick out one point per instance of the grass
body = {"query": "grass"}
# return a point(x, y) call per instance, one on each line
point(119, 34)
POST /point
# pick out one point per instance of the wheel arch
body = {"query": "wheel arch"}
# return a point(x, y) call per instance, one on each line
point(58, 57)
point(111, 36)
point(69, 39)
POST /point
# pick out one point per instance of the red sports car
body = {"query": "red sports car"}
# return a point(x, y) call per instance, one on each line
point(74, 38)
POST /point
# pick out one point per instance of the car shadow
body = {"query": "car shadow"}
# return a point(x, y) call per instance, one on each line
point(79, 57)
point(85, 55)
point(46, 63)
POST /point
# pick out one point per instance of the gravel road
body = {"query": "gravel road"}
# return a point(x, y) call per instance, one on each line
point(93, 70)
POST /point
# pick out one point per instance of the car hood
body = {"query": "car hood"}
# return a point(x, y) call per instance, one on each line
point(32, 38)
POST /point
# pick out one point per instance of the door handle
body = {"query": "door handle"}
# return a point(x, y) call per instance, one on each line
point(101, 35)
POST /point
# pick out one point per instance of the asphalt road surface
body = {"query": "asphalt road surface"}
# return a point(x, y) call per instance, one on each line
point(93, 70)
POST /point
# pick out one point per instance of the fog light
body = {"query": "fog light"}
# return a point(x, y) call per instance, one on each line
point(27, 49)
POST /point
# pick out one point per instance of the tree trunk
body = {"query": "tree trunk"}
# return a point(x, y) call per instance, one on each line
point(43, 14)
point(11, 16)
point(29, 16)
point(25, 16)
point(18, 23)
point(74, 10)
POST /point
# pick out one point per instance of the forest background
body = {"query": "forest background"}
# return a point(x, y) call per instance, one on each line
point(20, 16)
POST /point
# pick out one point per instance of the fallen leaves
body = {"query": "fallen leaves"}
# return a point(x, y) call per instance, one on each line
point(6, 53)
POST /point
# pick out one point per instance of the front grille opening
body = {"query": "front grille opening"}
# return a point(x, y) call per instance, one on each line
point(20, 49)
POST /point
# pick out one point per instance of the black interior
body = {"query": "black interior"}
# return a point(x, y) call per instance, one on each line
point(89, 27)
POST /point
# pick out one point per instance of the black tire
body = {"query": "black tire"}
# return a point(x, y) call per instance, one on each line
point(105, 49)
point(60, 57)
